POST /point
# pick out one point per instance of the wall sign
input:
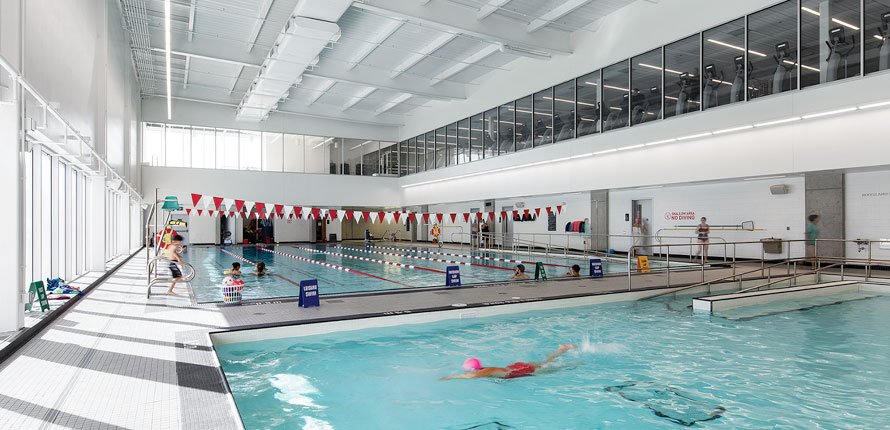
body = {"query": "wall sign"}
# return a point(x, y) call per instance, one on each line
point(452, 276)
point(308, 293)
point(679, 216)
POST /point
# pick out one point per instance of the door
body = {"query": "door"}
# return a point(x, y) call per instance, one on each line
point(507, 226)
point(320, 229)
point(642, 212)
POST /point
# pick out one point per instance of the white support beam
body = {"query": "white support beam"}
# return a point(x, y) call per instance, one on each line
point(421, 53)
point(321, 91)
point(364, 92)
point(235, 79)
point(192, 19)
point(556, 13)
point(459, 18)
point(473, 58)
point(375, 40)
point(392, 103)
point(185, 78)
point(262, 12)
point(491, 7)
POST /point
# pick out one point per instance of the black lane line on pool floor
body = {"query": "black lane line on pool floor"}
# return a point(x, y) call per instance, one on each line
point(308, 275)
point(254, 264)
point(332, 266)
point(374, 260)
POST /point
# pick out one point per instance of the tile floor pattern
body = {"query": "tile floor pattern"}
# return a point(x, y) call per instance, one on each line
point(117, 360)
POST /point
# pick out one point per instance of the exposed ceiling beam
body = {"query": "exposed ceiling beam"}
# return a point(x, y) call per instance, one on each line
point(491, 7)
point(192, 19)
point(454, 17)
point(364, 92)
point(368, 77)
point(185, 79)
point(235, 79)
point(321, 91)
point(263, 11)
point(554, 14)
point(475, 57)
point(375, 40)
point(421, 53)
point(392, 103)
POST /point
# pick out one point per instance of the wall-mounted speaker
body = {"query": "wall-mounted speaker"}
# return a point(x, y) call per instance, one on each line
point(778, 189)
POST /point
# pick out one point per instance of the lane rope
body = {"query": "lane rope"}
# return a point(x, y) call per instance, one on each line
point(331, 266)
point(505, 260)
point(430, 259)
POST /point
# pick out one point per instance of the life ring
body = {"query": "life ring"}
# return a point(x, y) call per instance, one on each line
point(435, 231)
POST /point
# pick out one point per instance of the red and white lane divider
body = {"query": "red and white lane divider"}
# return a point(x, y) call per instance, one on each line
point(329, 265)
point(429, 258)
point(367, 259)
point(251, 262)
point(478, 257)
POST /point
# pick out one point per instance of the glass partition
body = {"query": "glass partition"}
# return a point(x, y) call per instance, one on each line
point(315, 154)
point(588, 103)
point(356, 155)
point(829, 40)
point(451, 143)
point(543, 104)
point(524, 124)
point(390, 163)
point(506, 134)
point(273, 152)
point(420, 154)
point(178, 152)
point(334, 156)
point(645, 91)
point(440, 147)
point(404, 148)
point(477, 128)
point(616, 94)
point(877, 35)
point(226, 149)
point(721, 47)
point(490, 134)
point(772, 50)
point(153, 144)
point(463, 141)
point(681, 90)
point(203, 147)
point(564, 111)
point(430, 150)
point(411, 154)
point(294, 156)
point(251, 150)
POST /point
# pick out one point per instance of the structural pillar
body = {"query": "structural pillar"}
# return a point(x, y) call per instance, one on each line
point(95, 224)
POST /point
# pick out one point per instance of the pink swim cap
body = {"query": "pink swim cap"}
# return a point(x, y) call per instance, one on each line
point(472, 364)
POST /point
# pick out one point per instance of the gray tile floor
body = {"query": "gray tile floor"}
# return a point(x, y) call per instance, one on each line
point(119, 360)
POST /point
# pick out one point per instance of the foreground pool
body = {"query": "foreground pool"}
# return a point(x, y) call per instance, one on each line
point(640, 365)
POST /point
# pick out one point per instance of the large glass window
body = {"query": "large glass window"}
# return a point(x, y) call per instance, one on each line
point(877, 35)
point(463, 141)
point(178, 146)
point(490, 136)
point(564, 111)
point(389, 158)
point(315, 154)
point(273, 155)
point(334, 153)
point(361, 156)
point(451, 143)
point(251, 149)
point(772, 52)
point(721, 47)
point(616, 94)
point(203, 148)
point(681, 90)
point(440, 148)
point(404, 164)
point(430, 150)
point(420, 153)
point(829, 40)
point(524, 123)
point(153, 144)
point(588, 103)
point(506, 133)
point(294, 156)
point(476, 136)
point(226, 149)
point(645, 91)
point(543, 108)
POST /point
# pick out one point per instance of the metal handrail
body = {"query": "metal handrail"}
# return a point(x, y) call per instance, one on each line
point(787, 278)
point(722, 278)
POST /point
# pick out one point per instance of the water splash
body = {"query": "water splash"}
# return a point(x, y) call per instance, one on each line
point(589, 347)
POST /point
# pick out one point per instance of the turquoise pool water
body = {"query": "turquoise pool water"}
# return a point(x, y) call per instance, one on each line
point(640, 365)
point(365, 275)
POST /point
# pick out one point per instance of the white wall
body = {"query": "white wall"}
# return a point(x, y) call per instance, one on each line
point(867, 211)
point(203, 229)
point(726, 203)
point(293, 230)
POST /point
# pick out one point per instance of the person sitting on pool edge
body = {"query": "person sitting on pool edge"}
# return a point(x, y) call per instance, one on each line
point(519, 272)
point(261, 269)
point(574, 271)
point(516, 370)
point(235, 271)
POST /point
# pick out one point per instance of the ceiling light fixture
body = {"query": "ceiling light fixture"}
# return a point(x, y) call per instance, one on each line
point(167, 57)
point(850, 26)
point(834, 112)
point(760, 178)
point(735, 47)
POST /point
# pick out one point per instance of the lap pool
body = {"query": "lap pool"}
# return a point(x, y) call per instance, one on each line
point(353, 268)
point(640, 365)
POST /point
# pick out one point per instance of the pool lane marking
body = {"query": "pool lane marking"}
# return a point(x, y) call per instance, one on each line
point(391, 263)
point(251, 262)
point(505, 260)
point(331, 266)
point(430, 259)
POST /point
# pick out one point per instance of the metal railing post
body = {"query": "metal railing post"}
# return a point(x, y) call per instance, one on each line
point(868, 265)
point(629, 271)
point(668, 269)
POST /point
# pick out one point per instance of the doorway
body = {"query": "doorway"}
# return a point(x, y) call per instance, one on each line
point(259, 231)
point(226, 233)
point(642, 211)
point(507, 226)
point(320, 230)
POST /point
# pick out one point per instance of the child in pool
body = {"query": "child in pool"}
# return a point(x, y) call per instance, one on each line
point(235, 271)
point(261, 269)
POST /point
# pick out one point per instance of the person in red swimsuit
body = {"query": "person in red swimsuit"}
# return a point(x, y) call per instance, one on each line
point(516, 370)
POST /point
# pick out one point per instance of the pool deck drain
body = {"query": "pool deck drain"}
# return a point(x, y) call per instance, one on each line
point(118, 360)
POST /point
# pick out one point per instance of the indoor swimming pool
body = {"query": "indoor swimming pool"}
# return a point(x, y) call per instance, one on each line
point(639, 365)
point(383, 267)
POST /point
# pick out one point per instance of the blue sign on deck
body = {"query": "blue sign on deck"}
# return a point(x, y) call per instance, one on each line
point(308, 293)
point(596, 268)
point(452, 276)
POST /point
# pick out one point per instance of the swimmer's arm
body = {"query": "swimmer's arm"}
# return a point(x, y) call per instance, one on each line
point(481, 373)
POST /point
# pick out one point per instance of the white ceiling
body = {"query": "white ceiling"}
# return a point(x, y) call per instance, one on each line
point(393, 58)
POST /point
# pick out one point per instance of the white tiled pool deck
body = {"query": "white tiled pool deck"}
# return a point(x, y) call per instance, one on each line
point(117, 360)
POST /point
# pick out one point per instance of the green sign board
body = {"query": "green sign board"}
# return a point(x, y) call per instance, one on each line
point(539, 271)
point(37, 289)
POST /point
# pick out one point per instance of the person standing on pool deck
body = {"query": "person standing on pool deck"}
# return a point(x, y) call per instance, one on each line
point(485, 238)
point(812, 236)
point(174, 258)
point(703, 230)
point(516, 370)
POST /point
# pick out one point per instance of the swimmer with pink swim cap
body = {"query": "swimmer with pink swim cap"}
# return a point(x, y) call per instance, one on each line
point(519, 369)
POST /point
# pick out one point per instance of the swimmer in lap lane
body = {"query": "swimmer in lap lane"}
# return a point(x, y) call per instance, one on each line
point(516, 370)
